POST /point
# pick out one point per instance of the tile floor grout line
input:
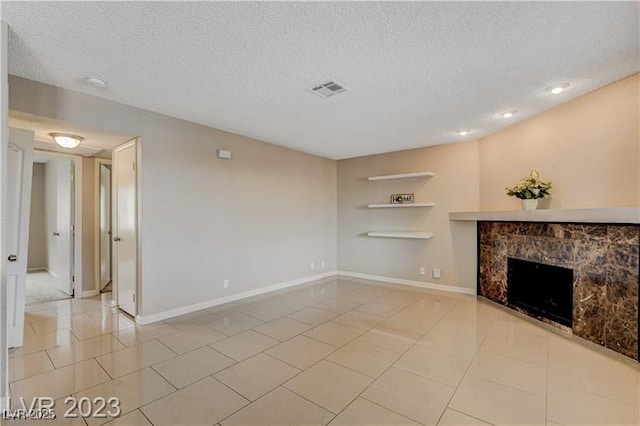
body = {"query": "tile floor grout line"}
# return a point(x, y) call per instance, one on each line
point(546, 398)
point(153, 400)
point(116, 337)
point(157, 339)
point(608, 398)
point(464, 375)
point(168, 381)
point(355, 308)
point(512, 358)
point(315, 363)
point(382, 406)
point(236, 392)
point(95, 358)
point(505, 385)
point(468, 415)
point(171, 393)
point(389, 367)
point(298, 368)
point(143, 415)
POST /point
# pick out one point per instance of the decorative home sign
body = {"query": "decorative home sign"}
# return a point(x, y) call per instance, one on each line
point(401, 198)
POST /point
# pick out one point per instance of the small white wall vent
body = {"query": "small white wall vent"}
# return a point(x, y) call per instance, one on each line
point(328, 89)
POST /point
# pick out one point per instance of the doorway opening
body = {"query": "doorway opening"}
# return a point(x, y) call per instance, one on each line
point(51, 260)
point(104, 250)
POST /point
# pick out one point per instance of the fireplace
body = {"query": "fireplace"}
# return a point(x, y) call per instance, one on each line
point(541, 289)
point(602, 262)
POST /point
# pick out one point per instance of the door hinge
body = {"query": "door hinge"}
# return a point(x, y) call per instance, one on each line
point(134, 298)
point(73, 278)
point(134, 166)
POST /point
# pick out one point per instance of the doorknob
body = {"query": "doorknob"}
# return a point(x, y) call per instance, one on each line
point(56, 234)
point(13, 258)
point(116, 239)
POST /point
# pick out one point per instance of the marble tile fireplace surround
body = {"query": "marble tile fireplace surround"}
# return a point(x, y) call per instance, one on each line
point(604, 257)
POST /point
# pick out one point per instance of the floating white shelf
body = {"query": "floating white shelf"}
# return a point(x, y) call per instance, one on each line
point(417, 235)
point(401, 176)
point(383, 206)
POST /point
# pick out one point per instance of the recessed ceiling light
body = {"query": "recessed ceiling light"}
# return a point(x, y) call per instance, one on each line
point(66, 140)
point(96, 82)
point(509, 114)
point(558, 88)
point(462, 132)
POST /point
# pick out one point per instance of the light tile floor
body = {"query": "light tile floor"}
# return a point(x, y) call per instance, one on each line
point(337, 352)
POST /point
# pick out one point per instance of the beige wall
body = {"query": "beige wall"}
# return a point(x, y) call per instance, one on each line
point(262, 217)
point(454, 187)
point(37, 258)
point(588, 147)
point(258, 219)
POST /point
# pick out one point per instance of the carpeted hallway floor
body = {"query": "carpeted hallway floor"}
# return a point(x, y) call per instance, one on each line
point(41, 287)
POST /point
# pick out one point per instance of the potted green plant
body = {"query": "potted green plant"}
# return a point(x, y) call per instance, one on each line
point(529, 190)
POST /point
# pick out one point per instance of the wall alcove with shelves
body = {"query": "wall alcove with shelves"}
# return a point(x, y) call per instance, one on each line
point(420, 234)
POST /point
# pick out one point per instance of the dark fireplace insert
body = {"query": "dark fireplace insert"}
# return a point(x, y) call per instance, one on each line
point(541, 289)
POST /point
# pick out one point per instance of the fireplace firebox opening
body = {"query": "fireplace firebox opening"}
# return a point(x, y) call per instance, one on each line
point(541, 289)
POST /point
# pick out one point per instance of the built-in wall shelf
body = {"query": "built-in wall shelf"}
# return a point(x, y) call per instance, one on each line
point(401, 176)
point(416, 235)
point(384, 206)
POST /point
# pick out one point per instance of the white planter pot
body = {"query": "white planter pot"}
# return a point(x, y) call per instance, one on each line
point(529, 204)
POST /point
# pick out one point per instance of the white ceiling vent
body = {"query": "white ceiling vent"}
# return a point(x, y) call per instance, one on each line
point(328, 89)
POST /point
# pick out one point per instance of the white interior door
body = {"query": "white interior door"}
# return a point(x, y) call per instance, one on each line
point(59, 219)
point(19, 169)
point(64, 233)
point(105, 224)
point(125, 238)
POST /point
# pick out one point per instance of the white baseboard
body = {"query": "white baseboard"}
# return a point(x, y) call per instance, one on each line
point(90, 293)
point(37, 268)
point(161, 316)
point(430, 286)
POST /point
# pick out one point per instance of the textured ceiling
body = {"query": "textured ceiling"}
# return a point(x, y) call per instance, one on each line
point(415, 72)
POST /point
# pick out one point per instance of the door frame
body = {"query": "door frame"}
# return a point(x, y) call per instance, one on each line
point(77, 213)
point(137, 142)
point(96, 230)
point(4, 146)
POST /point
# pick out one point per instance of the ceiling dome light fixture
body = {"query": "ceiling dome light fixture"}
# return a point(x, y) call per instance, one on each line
point(462, 132)
point(557, 89)
point(509, 114)
point(66, 140)
point(96, 82)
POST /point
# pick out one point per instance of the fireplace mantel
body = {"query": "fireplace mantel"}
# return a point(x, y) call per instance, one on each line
point(626, 215)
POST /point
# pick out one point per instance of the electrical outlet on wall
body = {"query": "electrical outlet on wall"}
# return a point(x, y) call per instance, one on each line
point(313, 265)
point(322, 264)
point(436, 273)
point(225, 283)
point(422, 270)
